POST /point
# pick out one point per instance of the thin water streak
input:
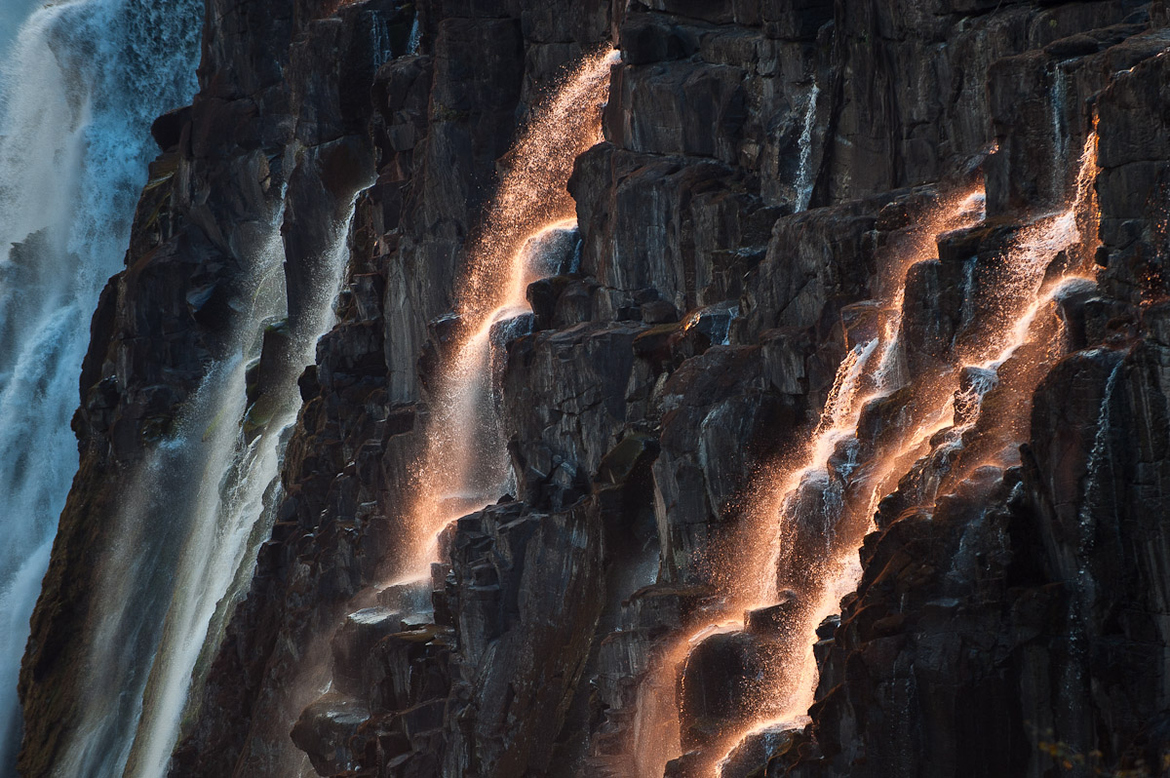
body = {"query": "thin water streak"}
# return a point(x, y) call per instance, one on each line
point(806, 176)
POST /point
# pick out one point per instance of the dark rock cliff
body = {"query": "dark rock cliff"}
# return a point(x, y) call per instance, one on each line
point(760, 159)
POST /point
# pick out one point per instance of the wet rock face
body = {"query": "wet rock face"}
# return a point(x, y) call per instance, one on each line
point(721, 412)
point(159, 324)
point(1132, 183)
point(761, 158)
point(486, 688)
point(538, 621)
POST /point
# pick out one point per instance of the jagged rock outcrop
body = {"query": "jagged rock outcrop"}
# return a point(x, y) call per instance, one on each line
point(158, 324)
point(203, 226)
point(761, 162)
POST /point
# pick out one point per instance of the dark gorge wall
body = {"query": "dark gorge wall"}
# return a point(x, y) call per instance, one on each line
point(764, 162)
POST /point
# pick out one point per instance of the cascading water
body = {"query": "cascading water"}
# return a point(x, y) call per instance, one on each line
point(1022, 296)
point(1018, 332)
point(217, 480)
point(80, 84)
point(180, 479)
point(798, 547)
point(218, 554)
point(808, 518)
point(1059, 128)
point(529, 233)
point(1096, 479)
point(812, 514)
point(465, 462)
point(415, 38)
point(762, 562)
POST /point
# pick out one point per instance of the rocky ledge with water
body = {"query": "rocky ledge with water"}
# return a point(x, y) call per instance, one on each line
point(764, 162)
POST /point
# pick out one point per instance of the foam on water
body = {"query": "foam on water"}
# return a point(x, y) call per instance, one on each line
point(80, 84)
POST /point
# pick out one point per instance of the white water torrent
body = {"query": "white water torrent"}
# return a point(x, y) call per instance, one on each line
point(238, 490)
point(80, 84)
point(170, 593)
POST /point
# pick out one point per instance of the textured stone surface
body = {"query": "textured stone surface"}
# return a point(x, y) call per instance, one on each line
point(1005, 613)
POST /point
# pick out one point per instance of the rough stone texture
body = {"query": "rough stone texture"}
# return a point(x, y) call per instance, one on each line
point(158, 325)
point(1007, 617)
point(721, 412)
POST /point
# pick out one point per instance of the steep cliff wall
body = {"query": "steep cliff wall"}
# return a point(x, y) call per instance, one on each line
point(764, 163)
point(257, 151)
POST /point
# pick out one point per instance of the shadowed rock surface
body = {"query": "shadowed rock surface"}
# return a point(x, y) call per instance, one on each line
point(761, 161)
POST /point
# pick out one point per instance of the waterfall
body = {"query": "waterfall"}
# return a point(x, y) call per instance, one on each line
point(1096, 481)
point(811, 528)
point(412, 44)
point(1020, 312)
point(169, 594)
point(1098, 457)
point(80, 84)
point(219, 552)
point(1059, 128)
point(149, 577)
point(803, 498)
point(465, 464)
point(806, 175)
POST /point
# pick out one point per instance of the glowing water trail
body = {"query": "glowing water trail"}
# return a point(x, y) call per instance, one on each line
point(750, 579)
point(829, 570)
point(464, 465)
point(968, 210)
point(1022, 295)
point(656, 735)
point(1026, 292)
point(79, 88)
